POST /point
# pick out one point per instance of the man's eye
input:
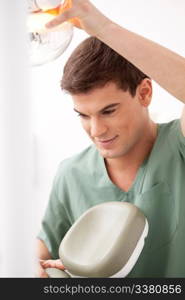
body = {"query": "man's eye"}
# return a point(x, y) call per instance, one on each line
point(82, 115)
point(108, 112)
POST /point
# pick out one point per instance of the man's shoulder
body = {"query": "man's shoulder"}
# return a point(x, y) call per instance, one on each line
point(79, 161)
point(170, 137)
point(169, 125)
point(169, 129)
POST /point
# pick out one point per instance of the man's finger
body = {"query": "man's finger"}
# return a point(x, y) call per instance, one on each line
point(53, 264)
point(59, 265)
point(63, 17)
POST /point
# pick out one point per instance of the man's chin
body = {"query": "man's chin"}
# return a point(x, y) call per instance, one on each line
point(108, 153)
point(113, 153)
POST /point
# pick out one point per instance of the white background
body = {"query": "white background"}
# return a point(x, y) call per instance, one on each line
point(57, 130)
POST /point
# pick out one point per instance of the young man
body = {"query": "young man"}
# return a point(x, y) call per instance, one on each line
point(132, 158)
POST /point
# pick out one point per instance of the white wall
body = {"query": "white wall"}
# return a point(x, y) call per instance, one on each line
point(57, 130)
point(18, 205)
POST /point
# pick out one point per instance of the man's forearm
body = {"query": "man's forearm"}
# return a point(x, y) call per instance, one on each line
point(42, 250)
point(161, 64)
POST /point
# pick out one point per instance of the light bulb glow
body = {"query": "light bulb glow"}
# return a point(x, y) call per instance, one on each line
point(36, 22)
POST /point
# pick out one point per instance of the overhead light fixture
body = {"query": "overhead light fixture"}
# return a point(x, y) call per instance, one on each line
point(46, 44)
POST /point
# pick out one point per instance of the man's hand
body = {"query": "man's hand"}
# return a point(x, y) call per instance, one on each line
point(83, 14)
point(50, 263)
point(40, 272)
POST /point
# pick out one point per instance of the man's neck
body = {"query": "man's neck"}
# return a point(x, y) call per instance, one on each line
point(123, 170)
point(131, 161)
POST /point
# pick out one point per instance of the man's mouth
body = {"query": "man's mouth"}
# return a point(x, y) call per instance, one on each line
point(106, 141)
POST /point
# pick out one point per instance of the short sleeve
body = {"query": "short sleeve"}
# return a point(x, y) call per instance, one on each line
point(181, 139)
point(56, 221)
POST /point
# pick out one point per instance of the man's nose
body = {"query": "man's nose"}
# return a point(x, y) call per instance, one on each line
point(97, 128)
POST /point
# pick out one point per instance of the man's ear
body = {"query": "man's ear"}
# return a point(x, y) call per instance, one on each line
point(144, 92)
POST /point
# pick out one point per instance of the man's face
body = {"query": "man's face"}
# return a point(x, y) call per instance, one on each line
point(114, 120)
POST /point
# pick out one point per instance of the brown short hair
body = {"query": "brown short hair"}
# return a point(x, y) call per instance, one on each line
point(93, 64)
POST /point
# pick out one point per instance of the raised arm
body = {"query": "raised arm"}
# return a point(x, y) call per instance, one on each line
point(161, 64)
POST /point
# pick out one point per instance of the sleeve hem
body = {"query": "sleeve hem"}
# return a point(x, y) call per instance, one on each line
point(180, 134)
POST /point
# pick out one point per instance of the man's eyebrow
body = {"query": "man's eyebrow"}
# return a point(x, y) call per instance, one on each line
point(77, 111)
point(109, 106)
point(102, 109)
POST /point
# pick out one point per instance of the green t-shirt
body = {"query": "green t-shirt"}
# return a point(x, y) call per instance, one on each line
point(158, 190)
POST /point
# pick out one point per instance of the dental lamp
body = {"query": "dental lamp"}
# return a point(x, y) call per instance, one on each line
point(46, 45)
